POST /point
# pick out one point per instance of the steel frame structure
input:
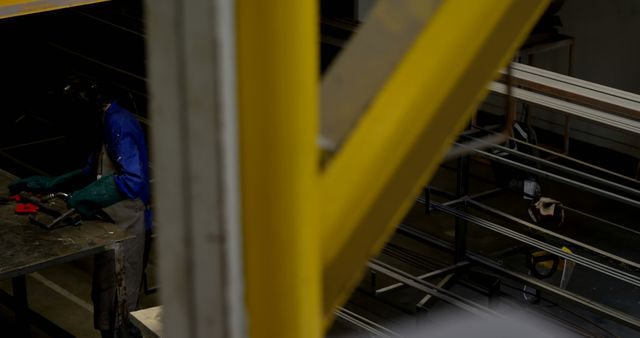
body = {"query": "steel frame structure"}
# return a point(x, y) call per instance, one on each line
point(499, 268)
point(626, 193)
point(300, 261)
point(317, 255)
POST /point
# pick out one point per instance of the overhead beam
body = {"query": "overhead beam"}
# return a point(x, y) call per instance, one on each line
point(11, 8)
point(619, 122)
point(581, 92)
point(398, 143)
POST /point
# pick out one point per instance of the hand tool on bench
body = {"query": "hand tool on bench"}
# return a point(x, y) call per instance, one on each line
point(60, 217)
point(21, 206)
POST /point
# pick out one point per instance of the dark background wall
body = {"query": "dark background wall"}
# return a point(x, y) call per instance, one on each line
point(106, 42)
point(607, 52)
point(102, 42)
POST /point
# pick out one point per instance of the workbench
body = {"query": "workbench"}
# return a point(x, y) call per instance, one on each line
point(149, 321)
point(28, 248)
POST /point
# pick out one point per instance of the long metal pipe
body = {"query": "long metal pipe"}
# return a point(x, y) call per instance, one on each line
point(407, 256)
point(554, 234)
point(599, 219)
point(424, 276)
point(574, 298)
point(611, 313)
point(619, 122)
point(422, 200)
point(564, 168)
point(596, 266)
point(561, 179)
point(487, 142)
point(364, 323)
point(563, 156)
point(433, 290)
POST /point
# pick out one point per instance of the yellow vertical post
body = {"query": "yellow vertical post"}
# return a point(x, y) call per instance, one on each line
point(277, 54)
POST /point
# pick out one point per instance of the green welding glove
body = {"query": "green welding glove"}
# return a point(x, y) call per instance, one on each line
point(66, 182)
point(97, 195)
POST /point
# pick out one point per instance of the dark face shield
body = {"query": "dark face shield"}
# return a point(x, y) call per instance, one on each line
point(84, 106)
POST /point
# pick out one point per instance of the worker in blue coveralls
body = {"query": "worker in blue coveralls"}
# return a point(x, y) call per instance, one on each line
point(115, 181)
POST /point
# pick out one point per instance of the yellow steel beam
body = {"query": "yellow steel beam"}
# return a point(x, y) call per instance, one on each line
point(395, 148)
point(10, 8)
point(352, 80)
point(277, 47)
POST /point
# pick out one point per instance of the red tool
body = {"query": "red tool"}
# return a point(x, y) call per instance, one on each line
point(26, 208)
point(23, 207)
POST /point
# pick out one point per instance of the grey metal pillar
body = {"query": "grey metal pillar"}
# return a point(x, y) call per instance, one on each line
point(191, 64)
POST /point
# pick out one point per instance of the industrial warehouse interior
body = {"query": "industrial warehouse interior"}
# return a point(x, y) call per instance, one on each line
point(332, 168)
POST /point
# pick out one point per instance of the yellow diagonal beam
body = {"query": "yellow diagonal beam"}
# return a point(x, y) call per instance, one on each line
point(398, 143)
point(277, 90)
point(379, 45)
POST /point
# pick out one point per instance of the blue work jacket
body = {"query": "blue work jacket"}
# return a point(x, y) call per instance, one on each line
point(125, 145)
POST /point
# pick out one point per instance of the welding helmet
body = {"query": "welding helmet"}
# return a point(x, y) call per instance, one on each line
point(91, 95)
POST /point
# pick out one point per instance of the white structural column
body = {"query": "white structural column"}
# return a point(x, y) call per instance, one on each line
point(191, 65)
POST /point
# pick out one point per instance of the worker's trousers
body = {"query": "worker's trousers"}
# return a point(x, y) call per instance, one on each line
point(129, 216)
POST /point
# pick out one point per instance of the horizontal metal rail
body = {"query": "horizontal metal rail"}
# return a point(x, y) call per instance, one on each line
point(560, 167)
point(589, 263)
point(599, 219)
point(590, 114)
point(412, 258)
point(561, 179)
point(484, 143)
point(554, 234)
point(572, 85)
point(609, 312)
point(424, 276)
point(426, 300)
point(365, 324)
point(484, 261)
point(433, 290)
point(422, 200)
point(563, 156)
